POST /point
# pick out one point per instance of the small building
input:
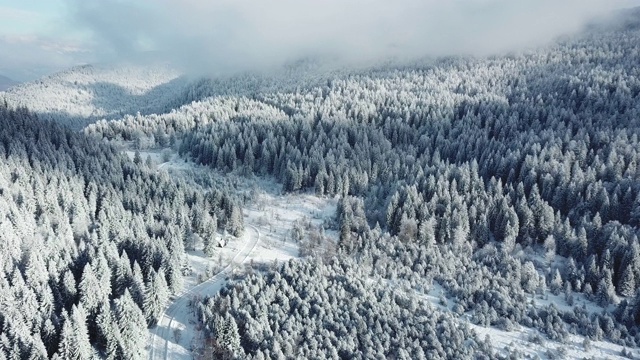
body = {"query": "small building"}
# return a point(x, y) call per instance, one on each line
point(222, 241)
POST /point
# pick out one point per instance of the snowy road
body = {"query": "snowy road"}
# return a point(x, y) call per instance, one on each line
point(163, 342)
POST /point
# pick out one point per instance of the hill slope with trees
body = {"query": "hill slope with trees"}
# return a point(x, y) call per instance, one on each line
point(510, 182)
point(92, 243)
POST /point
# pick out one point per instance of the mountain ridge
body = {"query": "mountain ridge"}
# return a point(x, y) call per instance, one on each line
point(84, 94)
point(6, 83)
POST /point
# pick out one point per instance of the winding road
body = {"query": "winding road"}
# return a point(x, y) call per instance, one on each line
point(162, 342)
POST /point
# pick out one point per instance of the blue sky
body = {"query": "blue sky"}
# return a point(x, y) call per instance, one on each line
point(38, 37)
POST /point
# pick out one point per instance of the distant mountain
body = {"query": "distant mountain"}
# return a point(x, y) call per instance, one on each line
point(6, 83)
point(85, 94)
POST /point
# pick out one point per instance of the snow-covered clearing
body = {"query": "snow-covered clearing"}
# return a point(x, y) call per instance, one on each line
point(165, 159)
point(523, 340)
point(275, 214)
point(269, 219)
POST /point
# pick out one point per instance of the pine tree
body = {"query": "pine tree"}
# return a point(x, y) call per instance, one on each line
point(174, 276)
point(123, 274)
point(137, 157)
point(66, 345)
point(69, 288)
point(103, 275)
point(568, 293)
point(108, 337)
point(408, 229)
point(510, 235)
point(627, 285)
point(81, 346)
point(74, 338)
point(556, 283)
point(550, 247)
point(209, 246)
point(235, 223)
point(132, 326)
point(155, 297)
point(529, 277)
point(137, 288)
point(88, 289)
point(582, 245)
point(229, 337)
point(605, 293)
point(426, 232)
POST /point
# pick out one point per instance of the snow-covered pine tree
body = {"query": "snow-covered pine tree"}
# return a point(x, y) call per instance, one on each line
point(155, 297)
point(132, 325)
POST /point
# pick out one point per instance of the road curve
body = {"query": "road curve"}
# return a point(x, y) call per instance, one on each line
point(161, 342)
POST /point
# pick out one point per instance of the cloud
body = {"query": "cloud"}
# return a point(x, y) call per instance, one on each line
point(222, 36)
point(232, 35)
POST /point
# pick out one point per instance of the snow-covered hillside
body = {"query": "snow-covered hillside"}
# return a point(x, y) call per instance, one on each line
point(84, 94)
point(456, 208)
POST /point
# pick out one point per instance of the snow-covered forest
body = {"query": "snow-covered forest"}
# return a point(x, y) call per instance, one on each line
point(507, 185)
point(84, 94)
point(92, 243)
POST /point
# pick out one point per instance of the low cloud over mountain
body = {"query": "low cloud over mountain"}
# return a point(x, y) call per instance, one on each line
point(227, 35)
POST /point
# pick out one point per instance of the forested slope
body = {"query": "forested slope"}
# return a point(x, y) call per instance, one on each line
point(475, 165)
point(312, 310)
point(503, 180)
point(85, 94)
point(91, 243)
point(529, 148)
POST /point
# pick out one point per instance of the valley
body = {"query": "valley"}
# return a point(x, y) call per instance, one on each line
point(461, 207)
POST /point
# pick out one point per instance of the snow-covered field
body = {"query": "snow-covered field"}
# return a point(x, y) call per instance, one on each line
point(274, 214)
point(522, 341)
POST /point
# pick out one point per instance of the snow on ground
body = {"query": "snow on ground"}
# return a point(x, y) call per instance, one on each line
point(161, 159)
point(560, 302)
point(177, 331)
point(269, 210)
point(546, 263)
point(524, 340)
point(269, 218)
point(275, 213)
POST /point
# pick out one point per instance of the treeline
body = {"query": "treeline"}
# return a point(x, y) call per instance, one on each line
point(91, 243)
